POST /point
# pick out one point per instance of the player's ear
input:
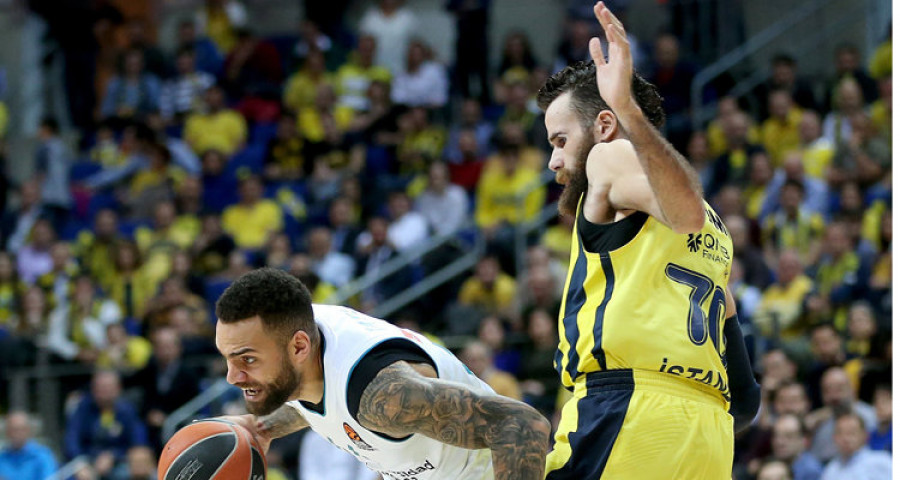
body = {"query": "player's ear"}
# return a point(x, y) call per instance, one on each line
point(300, 346)
point(606, 126)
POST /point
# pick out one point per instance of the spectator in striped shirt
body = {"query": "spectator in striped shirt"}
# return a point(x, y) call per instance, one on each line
point(183, 94)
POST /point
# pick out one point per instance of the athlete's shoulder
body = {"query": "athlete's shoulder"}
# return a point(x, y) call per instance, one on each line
point(605, 151)
point(336, 315)
point(611, 159)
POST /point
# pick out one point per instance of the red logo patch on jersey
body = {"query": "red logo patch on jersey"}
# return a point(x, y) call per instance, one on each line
point(410, 335)
point(357, 440)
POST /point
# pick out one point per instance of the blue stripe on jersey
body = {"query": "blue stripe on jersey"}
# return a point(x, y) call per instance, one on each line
point(601, 415)
point(575, 299)
point(597, 352)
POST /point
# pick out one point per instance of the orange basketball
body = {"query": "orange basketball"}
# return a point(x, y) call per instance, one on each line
point(212, 450)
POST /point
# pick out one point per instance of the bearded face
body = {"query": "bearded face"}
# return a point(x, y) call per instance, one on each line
point(269, 396)
point(259, 363)
point(574, 178)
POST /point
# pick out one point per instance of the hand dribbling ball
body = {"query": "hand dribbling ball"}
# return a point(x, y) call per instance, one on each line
point(212, 450)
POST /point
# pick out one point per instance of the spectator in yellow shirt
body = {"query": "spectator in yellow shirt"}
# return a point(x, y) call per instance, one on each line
point(300, 89)
point(516, 109)
point(480, 360)
point(153, 184)
point(817, 150)
point(792, 226)
point(864, 157)
point(529, 155)
point(254, 218)
point(838, 268)
point(780, 132)
point(94, 247)
point(323, 124)
point(558, 239)
point(157, 245)
point(129, 285)
point(489, 289)
point(499, 196)
point(880, 64)
point(716, 130)
point(219, 128)
point(422, 142)
point(123, 352)
point(732, 166)
point(760, 174)
point(285, 156)
point(779, 311)
point(354, 77)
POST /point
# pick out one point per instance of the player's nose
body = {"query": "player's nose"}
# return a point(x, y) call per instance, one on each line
point(235, 375)
point(556, 162)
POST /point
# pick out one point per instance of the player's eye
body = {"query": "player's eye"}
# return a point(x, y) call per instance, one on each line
point(249, 360)
point(561, 142)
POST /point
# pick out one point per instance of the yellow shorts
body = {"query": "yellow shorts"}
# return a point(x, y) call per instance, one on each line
point(640, 425)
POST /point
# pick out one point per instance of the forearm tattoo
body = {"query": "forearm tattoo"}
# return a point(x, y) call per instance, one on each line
point(282, 422)
point(399, 402)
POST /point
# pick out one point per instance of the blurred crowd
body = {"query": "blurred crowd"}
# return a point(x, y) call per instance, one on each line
point(334, 149)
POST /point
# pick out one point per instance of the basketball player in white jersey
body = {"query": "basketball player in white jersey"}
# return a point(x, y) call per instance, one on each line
point(405, 407)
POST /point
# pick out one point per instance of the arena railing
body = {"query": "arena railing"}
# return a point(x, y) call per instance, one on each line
point(474, 248)
point(470, 258)
point(405, 259)
point(69, 469)
point(703, 112)
point(191, 409)
point(547, 213)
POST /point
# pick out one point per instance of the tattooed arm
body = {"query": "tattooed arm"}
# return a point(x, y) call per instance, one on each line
point(399, 402)
point(281, 422)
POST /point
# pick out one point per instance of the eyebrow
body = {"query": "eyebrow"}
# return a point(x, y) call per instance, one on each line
point(554, 136)
point(240, 352)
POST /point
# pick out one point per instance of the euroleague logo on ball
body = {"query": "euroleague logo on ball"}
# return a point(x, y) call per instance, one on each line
point(357, 440)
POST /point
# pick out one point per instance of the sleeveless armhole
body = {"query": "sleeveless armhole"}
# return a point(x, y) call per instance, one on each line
point(382, 355)
point(599, 238)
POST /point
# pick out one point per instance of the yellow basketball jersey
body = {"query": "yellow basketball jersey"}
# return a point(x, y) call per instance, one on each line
point(653, 301)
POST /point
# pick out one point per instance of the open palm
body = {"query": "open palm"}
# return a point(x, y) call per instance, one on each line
point(613, 75)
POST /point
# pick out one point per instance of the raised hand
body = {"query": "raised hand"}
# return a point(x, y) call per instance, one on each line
point(613, 74)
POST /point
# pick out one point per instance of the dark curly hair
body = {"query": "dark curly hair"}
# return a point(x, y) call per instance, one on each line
point(581, 79)
point(280, 300)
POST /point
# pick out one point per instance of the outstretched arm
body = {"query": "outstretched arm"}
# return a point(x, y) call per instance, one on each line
point(399, 402)
point(675, 184)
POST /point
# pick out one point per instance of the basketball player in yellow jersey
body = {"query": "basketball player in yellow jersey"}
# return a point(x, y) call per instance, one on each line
point(649, 341)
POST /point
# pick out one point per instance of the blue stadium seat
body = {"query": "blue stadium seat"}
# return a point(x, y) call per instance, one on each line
point(251, 158)
point(73, 225)
point(262, 132)
point(213, 289)
point(174, 131)
point(468, 235)
point(128, 227)
point(101, 200)
point(83, 169)
point(285, 46)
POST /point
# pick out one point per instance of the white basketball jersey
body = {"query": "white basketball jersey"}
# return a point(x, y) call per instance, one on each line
point(348, 336)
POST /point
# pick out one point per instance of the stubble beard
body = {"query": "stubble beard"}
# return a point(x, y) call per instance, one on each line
point(576, 182)
point(277, 392)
